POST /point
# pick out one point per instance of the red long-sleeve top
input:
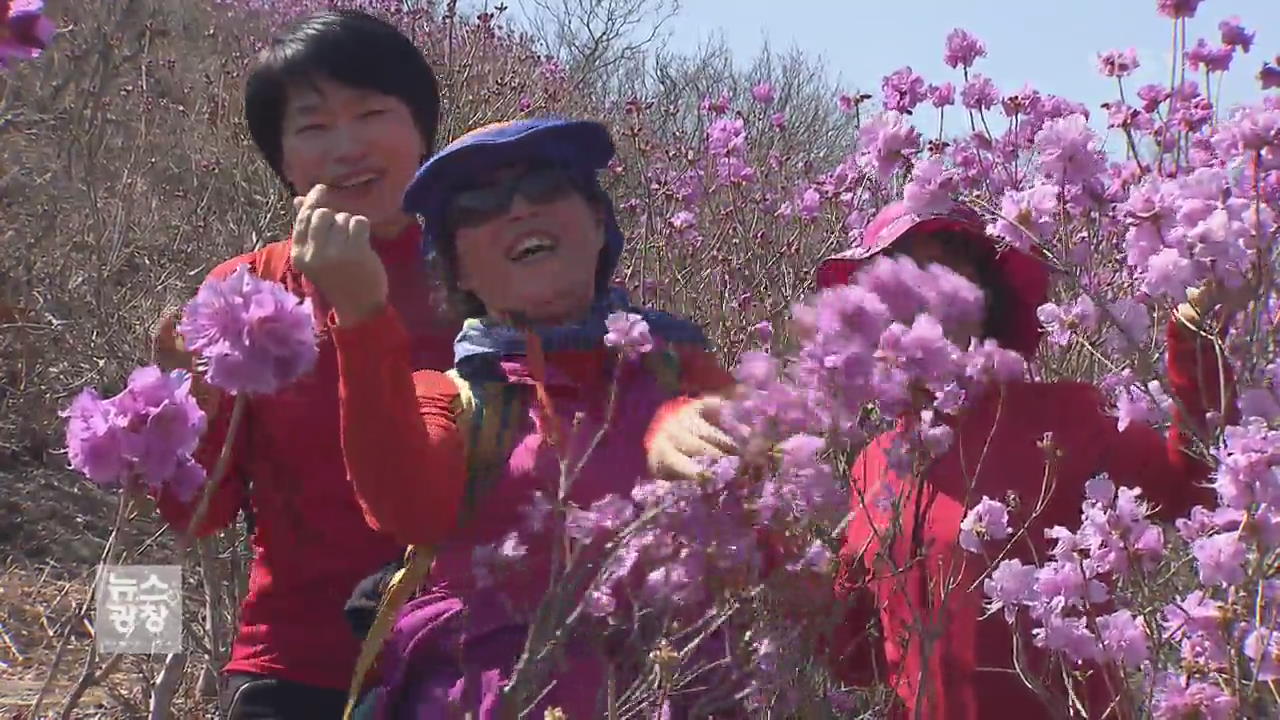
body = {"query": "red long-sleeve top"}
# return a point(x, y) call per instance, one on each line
point(933, 647)
point(311, 544)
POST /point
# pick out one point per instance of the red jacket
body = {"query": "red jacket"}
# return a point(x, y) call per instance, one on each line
point(933, 647)
point(311, 545)
point(965, 672)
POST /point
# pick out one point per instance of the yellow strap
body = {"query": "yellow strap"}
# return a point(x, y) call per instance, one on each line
point(402, 586)
point(405, 582)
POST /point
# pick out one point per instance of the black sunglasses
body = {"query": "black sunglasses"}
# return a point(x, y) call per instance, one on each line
point(477, 206)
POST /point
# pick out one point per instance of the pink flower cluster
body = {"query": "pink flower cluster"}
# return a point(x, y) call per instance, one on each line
point(141, 438)
point(1187, 229)
point(1082, 607)
point(878, 342)
point(252, 335)
point(1063, 596)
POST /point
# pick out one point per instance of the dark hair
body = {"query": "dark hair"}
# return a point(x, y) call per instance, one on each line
point(443, 263)
point(349, 47)
point(995, 324)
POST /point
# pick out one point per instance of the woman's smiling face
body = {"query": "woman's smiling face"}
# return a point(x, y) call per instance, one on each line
point(361, 143)
point(534, 261)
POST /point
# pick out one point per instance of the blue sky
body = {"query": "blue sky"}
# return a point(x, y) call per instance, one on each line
point(1051, 43)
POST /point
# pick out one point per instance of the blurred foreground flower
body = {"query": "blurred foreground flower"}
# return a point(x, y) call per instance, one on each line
point(24, 31)
point(252, 336)
point(145, 435)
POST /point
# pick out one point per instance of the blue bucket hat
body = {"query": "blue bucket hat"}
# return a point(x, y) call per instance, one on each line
point(581, 146)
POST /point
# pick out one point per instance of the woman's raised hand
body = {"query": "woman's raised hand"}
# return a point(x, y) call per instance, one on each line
point(333, 250)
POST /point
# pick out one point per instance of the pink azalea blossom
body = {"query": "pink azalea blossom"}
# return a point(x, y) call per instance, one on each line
point(941, 96)
point(1177, 697)
point(763, 93)
point(1026, 216)
point(1118, 63)
point(1124, 639)
point(716, 106)
point(629, 333)
point(1068, 150)
point(1153, 96)
point(1235, 35)
point(251, 335)
point(1269, 76)
point(963, 49)
point(1213, 59)
point(810, 203)
point(979, 93)
point(1063, 322)
point(142, 437)
point(885, 141)
point(727, 136)
point(24, 30)
point(1262, 646)
point(986, 521)
point(932, 187)
point(1010, 585)
point(903, 90)
point(1177, 8)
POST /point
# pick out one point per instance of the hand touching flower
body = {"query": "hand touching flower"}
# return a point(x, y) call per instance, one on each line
point(682, 441)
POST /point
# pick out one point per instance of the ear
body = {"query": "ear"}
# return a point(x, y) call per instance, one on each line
point(463, 279)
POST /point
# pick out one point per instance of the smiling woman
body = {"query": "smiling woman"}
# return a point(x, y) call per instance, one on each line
point(520, 228)
point(528, 241)
point(343, 108)
point(345, 101)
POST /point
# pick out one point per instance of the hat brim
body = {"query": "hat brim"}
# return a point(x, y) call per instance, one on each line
point(839, 269)
point(576, 144)
point(1023, 275)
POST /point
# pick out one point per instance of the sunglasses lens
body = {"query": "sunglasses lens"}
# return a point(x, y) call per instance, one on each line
point(477, 206)
point(470, 208)
point(544, 185)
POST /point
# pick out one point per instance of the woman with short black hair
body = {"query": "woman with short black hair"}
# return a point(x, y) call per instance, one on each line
point(343, 107)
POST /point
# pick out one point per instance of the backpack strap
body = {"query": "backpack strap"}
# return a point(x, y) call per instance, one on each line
point(491, 430)
point(405, 582)
point(469, 415)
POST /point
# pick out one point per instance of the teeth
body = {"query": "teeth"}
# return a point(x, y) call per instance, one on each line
point(532, 244)
point(357, 180)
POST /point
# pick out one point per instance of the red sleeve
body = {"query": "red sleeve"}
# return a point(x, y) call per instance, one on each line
point(231, 493)
point(1172, 475)
point(700, 374)
point(855, 652)
point(403, 449)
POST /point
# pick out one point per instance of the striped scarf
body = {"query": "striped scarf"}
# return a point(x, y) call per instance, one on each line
point(488, 339)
